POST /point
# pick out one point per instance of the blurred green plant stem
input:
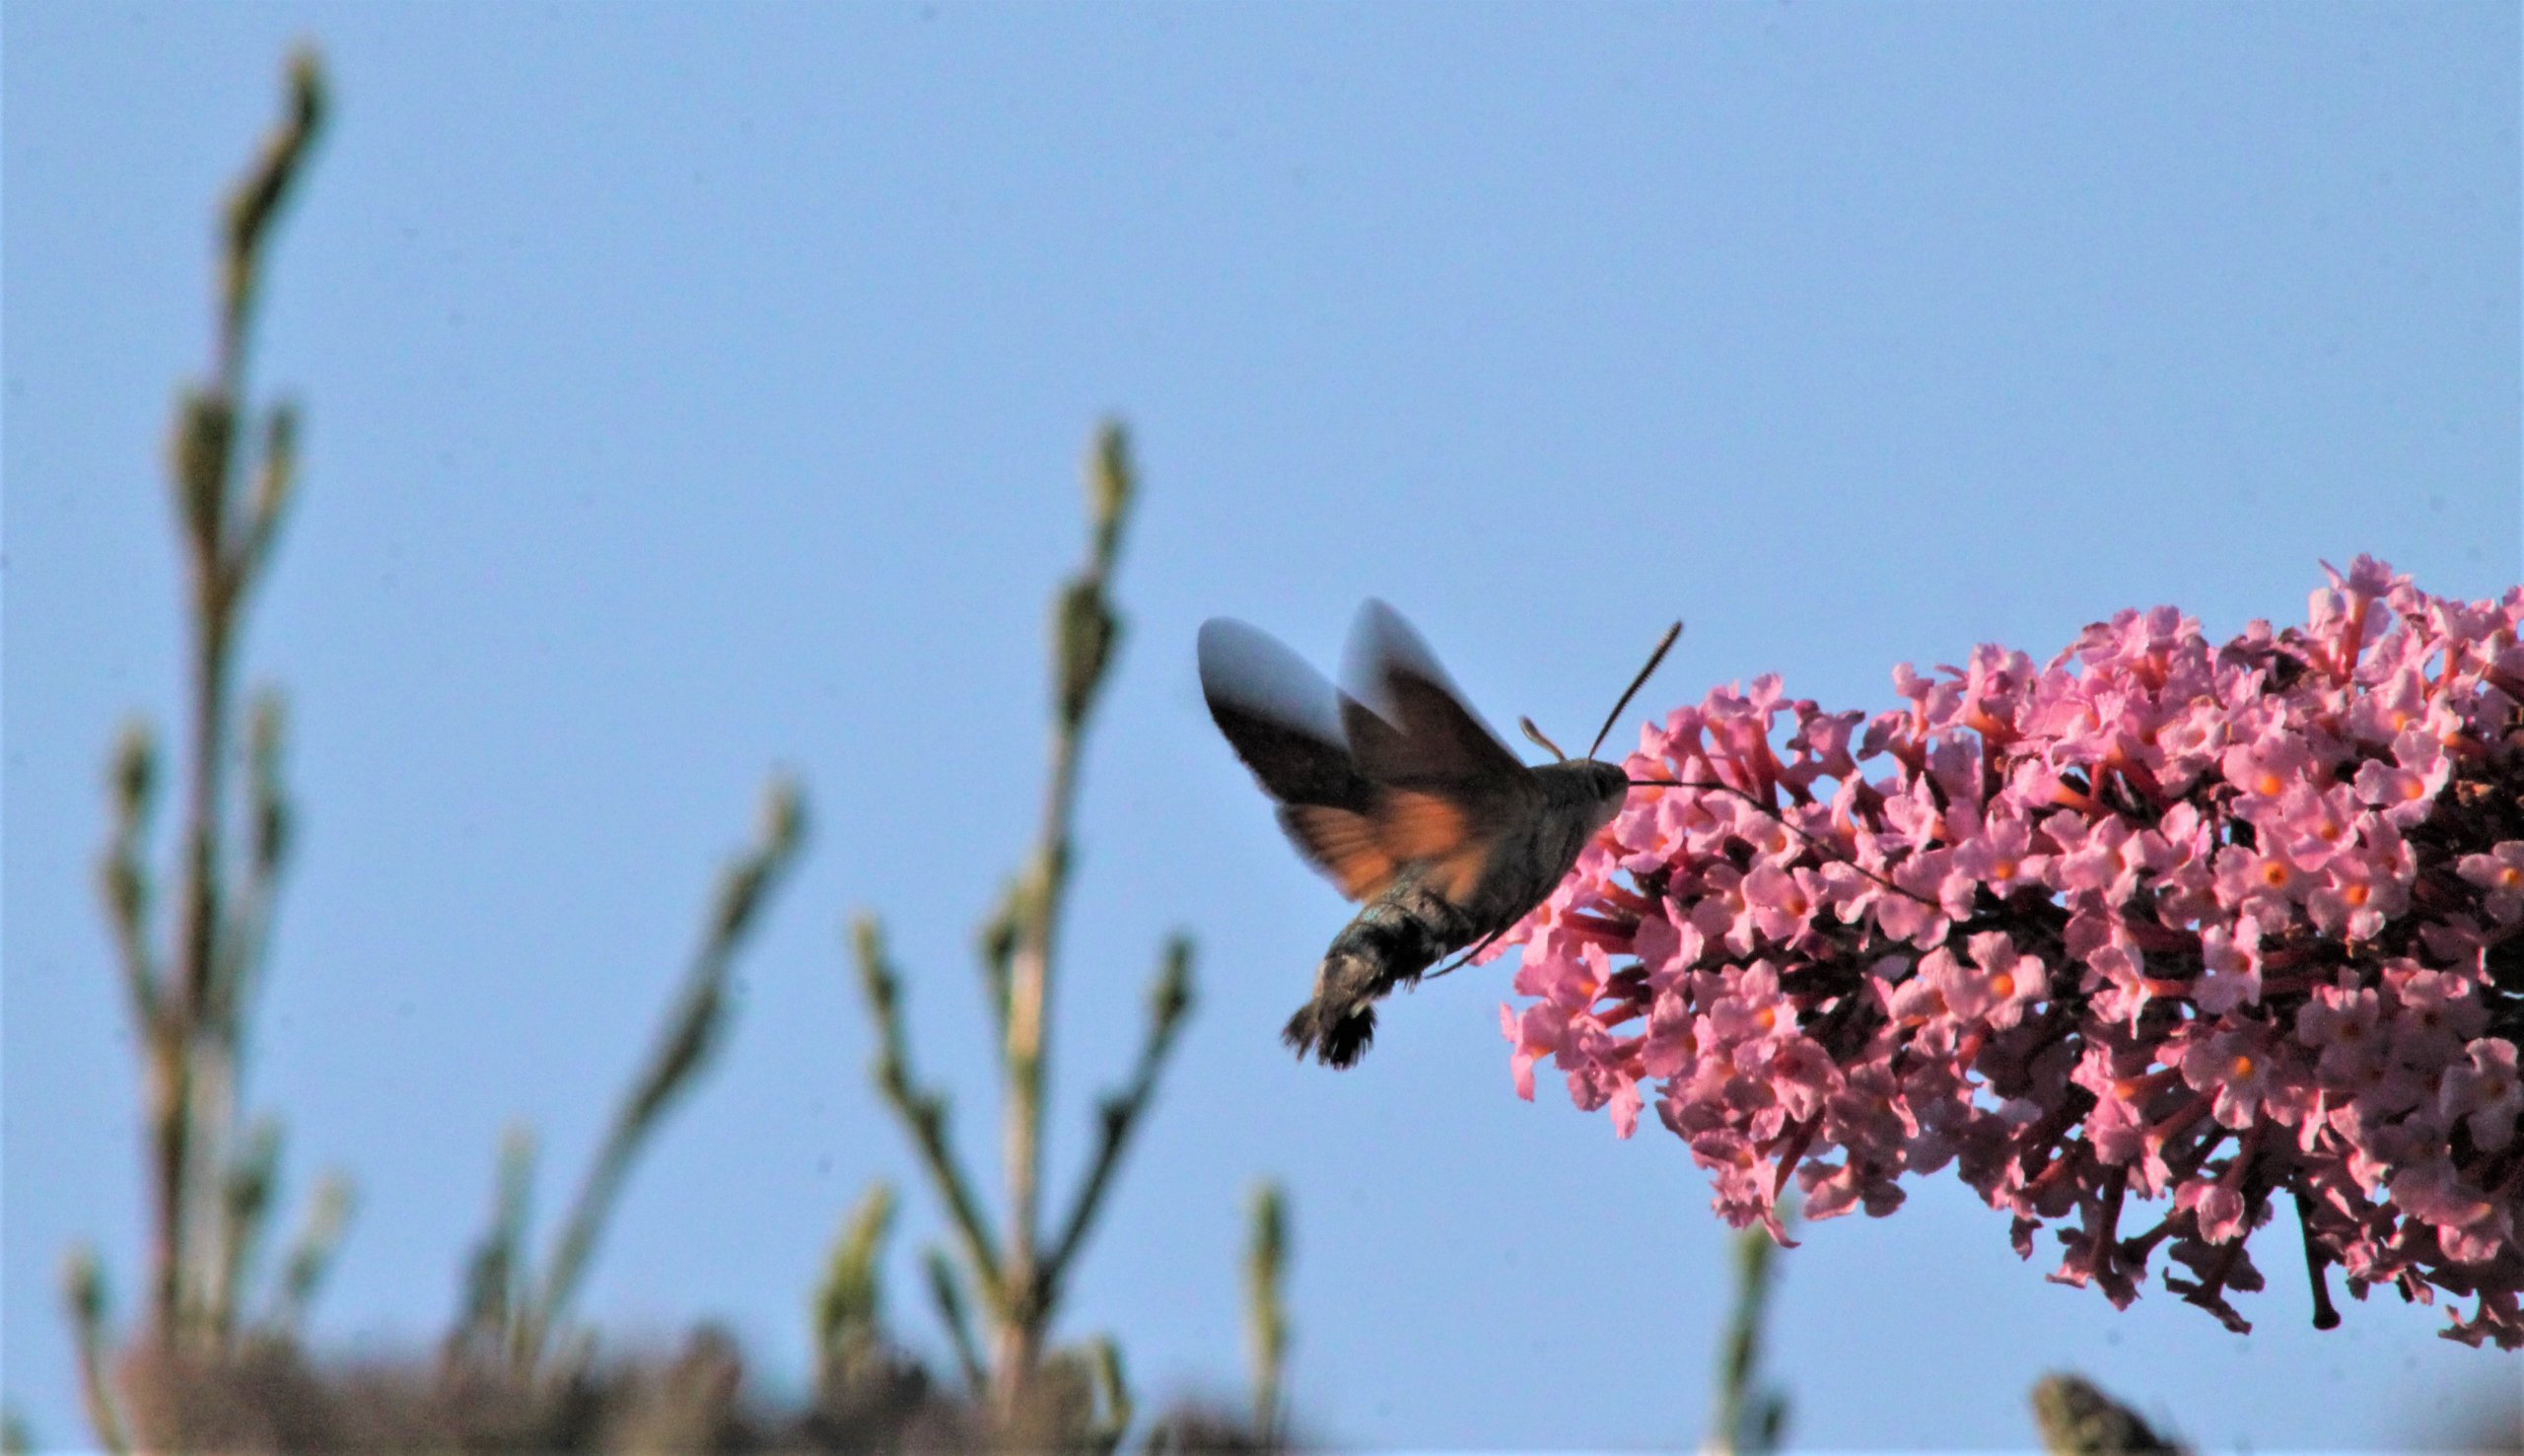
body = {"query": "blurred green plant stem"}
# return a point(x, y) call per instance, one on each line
point(189, 978)
point(1018, 1264)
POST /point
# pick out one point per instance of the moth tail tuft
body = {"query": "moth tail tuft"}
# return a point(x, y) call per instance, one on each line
point(1334, 1038)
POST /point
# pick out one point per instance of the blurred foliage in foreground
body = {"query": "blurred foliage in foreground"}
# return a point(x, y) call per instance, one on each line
point(214, 1365)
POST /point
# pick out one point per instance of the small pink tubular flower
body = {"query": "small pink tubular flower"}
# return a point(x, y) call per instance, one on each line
point(2483, 1093)
point(2236, 1069)
point(2225, 926)
point(2230, 967)
point(1993, 989)
point(2000, 858)
point(2501, 874)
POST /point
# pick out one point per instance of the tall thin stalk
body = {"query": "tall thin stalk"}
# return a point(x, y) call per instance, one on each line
point(190, 1005)
point(1751, 1416)
point(1266, 1312)
point(693, 1027)
point(1020, 1267)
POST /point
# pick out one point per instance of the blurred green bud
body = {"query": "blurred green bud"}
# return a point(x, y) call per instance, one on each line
point(2078, 1418)
point(784, 815)
point(1112, 480)
point(135, 772)
point(876, 972)
point(850, 1304)
point(258, 197)
point(272, 821)
point(277, 479)
point(1172, 997)
point(248, 1189)
point(1089, 631)
point(82, 1283)
point(204, 424)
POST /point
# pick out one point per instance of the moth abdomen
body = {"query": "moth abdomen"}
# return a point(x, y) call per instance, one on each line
point(1389, 943)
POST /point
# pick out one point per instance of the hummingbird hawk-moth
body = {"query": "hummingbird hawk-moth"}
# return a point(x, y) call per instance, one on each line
point(1406, 800)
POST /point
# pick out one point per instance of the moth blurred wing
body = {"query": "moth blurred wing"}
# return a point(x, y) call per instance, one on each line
point(1447, 788)
point(1394, 774)
point(1345, 846)
point(1405, 721)
point(1453, 836)
point(1279, 716)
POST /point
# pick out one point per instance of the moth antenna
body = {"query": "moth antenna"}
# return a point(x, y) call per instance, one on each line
point(1664, 644)
point(1536, 734)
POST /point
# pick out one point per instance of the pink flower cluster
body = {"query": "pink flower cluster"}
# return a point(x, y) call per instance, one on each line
point(2161, 922)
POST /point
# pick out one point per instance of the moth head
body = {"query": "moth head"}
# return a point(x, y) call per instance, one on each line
point(1609, 782)
point(1605, 786)
point(1611, 786)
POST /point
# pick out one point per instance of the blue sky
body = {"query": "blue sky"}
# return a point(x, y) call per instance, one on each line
point(695, 390)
